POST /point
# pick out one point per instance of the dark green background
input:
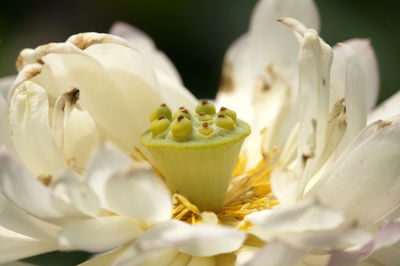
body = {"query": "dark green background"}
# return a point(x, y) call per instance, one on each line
point(193, 33)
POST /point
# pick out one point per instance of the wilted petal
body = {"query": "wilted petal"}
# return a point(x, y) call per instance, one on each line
point(299, 217)
point(386, 110)
point(277, 253)
point(17, 220)
point(26, 192)
point(96, 235)
point(138, 193)
point(106, 160)
point(15, 246)
point(364, 181)
point(146, 46)
point(29, 116)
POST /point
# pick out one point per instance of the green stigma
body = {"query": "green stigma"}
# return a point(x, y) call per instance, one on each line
point(205, 107)
point(205, 129)
point(184, 112)
point(227, 112)
point(163, 110)
point(181, 128)
point(159, 126)
point(197, 152)
point(225, 122)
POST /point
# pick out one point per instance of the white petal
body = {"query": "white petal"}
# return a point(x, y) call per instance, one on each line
point(26, 192)
point(15, 219)
point(273, 44)
point(96, 235)
point(29, 116)
point(174, 94)
point(386, 110)
point(5, 86)
point(140, 194)
point(106, 259)
point(200, 240)
point(326, 241)
point(276, 253)
point(299, 217)
point(75, 130)
point(315, 60)
point(146, 46)
point(365, 54)
point(387, 236)
point(106, 160)
point(348, 75)
point(266, 43)
point(79, 193)
point(100, 93)
point(364, 181)
point(284, 185)
point(15, 246)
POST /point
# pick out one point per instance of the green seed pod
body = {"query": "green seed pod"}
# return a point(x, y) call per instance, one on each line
point(197, 157)
point(225, 122)
point(205, 129)
point(158, 126)
point(227, 112)
point(204, 117)
point(181, 128)
point(163, 110)
point(184, 112)
point(205, 107)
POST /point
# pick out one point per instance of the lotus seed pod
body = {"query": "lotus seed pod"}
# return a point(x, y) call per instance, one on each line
point(184, 112)
point(159, 126)
point(205, 107)
point(163, 110)
point(225, 122)
point(227, 112)
point(181, 128)
point(197, 157)
point(204, 117)
point(205, 129)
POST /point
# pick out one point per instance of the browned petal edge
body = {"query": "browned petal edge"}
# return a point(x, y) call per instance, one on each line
point(226, 83)
point(84, 40)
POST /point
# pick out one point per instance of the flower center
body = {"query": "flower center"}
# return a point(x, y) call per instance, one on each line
point(196, 152)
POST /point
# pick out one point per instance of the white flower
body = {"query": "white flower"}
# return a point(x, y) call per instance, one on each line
point(55, 101)
point(333, 179)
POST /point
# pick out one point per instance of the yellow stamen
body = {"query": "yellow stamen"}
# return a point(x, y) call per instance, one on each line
point(245, 226)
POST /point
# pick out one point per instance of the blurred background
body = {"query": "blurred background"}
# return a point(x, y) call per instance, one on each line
point(194, 34)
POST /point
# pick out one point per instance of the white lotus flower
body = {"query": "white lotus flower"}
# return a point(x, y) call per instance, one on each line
point(322, 181)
